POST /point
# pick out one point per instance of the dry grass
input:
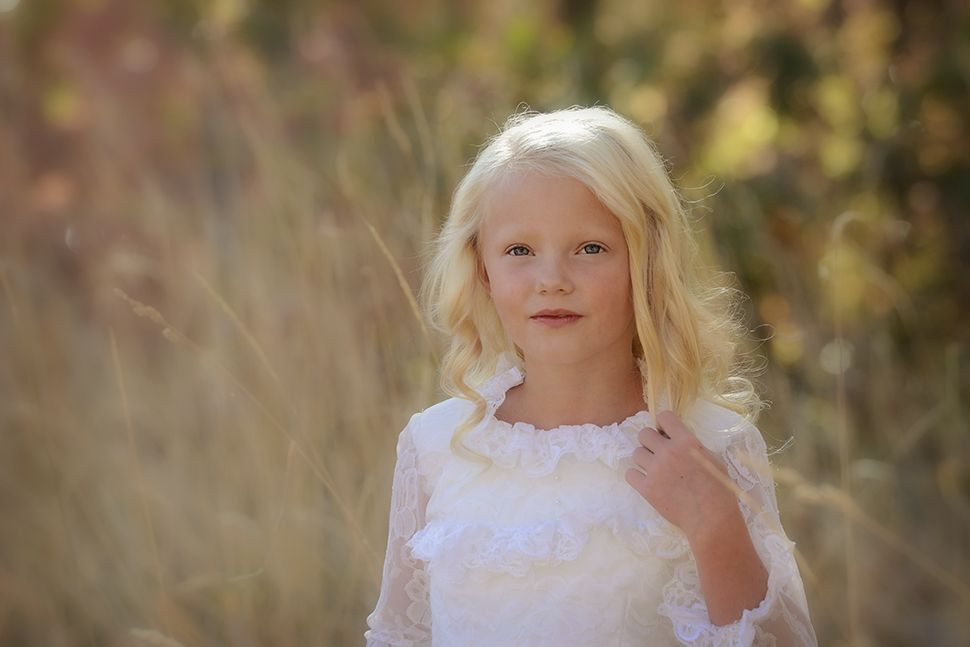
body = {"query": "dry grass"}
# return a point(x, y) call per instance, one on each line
point(205, 369)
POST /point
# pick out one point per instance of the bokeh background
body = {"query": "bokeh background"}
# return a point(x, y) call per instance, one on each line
point(212, 220)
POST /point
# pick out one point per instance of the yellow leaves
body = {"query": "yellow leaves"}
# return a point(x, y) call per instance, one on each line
point(743, 130)
point(787, 336)
point(943, 127)
point(843, 269)
point(839, 154)
point(854, 284)
point(881, 109)
point(224, 14)
point(647, 104)
point(63, 106)
point(865, 39)
point(837, 101)
point(840, 150)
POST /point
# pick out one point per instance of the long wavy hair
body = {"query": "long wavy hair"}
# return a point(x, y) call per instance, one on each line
point(687, 331)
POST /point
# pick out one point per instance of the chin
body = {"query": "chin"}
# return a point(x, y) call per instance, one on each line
point(557, 353)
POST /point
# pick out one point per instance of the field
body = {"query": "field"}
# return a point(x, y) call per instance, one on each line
point(212, 221)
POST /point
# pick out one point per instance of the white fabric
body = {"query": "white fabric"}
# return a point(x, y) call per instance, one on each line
point(551, 545)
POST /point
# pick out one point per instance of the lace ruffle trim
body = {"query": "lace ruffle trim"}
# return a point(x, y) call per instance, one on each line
point(537, 452)
point(683, 602)
point(516, 549)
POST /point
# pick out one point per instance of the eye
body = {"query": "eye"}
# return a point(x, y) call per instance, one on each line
point(511, 250)
point(596, 245)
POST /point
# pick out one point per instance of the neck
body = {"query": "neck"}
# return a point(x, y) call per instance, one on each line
point(601, 390)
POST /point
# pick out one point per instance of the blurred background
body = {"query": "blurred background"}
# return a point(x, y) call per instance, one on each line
point(212, 216)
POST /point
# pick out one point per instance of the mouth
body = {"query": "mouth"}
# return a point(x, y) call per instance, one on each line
point(556, 320)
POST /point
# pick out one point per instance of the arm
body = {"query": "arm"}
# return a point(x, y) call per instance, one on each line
point(403, 613)
point(732, 575)
point(751, 603)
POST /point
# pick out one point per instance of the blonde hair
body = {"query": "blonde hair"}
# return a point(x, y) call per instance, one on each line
point(686, 334)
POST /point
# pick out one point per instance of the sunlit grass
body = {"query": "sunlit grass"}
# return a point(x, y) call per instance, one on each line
point(210, 342)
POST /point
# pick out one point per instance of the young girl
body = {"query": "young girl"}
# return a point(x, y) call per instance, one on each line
point(595, 479)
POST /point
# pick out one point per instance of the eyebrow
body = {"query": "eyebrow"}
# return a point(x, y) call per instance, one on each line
point(514, 231)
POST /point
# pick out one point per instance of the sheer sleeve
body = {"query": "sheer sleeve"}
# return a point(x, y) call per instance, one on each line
point(782, 618)
point(403, 614)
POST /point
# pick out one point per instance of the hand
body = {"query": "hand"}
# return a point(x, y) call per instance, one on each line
point(684, 481)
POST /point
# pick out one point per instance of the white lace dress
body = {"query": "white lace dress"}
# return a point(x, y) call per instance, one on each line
point(551, 545)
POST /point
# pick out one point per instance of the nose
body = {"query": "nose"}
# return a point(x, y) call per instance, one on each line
point(552, 277)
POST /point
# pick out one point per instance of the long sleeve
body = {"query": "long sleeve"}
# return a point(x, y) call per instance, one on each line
point(402, 616)
point(782, 618)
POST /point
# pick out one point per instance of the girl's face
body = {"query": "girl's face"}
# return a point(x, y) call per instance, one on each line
point(549, 243)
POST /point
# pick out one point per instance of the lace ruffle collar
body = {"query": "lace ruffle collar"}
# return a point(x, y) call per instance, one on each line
point(538, 451)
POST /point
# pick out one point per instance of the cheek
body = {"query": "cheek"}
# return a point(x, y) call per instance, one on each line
point(505, 294)
point(614, 275)
point(620, 294)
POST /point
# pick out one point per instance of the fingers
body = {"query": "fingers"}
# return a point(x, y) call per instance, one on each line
point(649, 435)
point(668, 423)
point(636, 479)
point(642, 456)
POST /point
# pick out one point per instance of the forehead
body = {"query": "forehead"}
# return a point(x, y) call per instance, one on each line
point(532, 203)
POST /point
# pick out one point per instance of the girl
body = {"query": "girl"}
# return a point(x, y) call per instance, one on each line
point(593, 480)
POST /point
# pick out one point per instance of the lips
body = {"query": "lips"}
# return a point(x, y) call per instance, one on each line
point(556, 318)
point(558, 312)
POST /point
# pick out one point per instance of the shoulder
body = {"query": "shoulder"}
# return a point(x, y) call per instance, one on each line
point(429, 433)
point(447, 412)
point(719, 427)
point(432, 427)
point(737, 441)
